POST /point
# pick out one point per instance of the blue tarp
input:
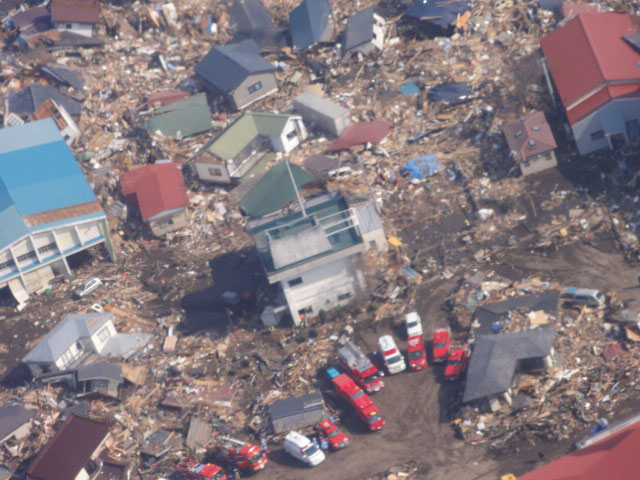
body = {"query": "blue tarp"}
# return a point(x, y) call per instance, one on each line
point(410, 89)
point(422, 167)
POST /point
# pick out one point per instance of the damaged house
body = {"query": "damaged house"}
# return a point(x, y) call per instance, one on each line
point(48, 210)
point(76, 16)
point(311, 22)
point(496, 358)
point(15, 424)
point(238, 73)
point(322, 112)
point(364, 34)
point(531, 143)
point(312, 251)
point(229, 156)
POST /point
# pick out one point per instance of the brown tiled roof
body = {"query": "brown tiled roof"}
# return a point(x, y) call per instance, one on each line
point(69, 450)
point(75, 11)
point(57, 214)
point(529, 136)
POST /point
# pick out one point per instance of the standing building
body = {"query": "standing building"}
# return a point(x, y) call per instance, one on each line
point(48, 211)
point(76, 16)
point(313, 257)
point(531, 143)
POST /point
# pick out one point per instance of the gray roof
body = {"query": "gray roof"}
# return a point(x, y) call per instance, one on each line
point(495, 357)
point(359, 29)
point(12, 418)
point(297, 412)
point(368, 219)
point(309, 21)
point(319, 104)
point(64, 334)
point(295, 248)
point(227, 66)
point(100, 371)
point(489, 313)
point(28, 100)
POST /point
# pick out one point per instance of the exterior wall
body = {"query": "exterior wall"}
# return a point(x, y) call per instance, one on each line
point(241, 97)
point(98, 344)
point(583, 129)
point(84, 29)
point(377, 237)
point(378, 31)
point(19, 433)
point(285, 144)
point(203, 170)
point(82, 475)
point(313, 113)
point(321, 287)
point(170, 223)
point(538, 163)
point(248, 157)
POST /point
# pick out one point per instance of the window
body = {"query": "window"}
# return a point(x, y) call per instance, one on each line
point(7, 264)
point(304, 311)
point(599, 135)
point(344, 296)
point(104, 334)
point(68, 25)
point(255, 87)
point(26, 256)
point(215, 171)
point(165, 223)
point(292, 134)
point(47, 248)
point(295, 281)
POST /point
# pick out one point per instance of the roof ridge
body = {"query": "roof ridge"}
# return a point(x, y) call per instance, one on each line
point(591, 46)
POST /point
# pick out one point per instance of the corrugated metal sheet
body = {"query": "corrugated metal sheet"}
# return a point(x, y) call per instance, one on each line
point(297, 412)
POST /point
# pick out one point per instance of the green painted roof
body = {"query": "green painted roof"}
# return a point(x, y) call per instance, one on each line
point(241, 132)
point(274, 190)
point(188, 116)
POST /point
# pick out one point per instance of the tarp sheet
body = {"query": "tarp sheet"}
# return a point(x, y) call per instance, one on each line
point(422, 167)
point(451, 93)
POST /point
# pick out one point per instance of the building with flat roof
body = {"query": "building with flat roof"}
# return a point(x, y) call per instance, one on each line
point(48, 210)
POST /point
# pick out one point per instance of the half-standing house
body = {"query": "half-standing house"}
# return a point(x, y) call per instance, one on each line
point(364, 33)
point(531, 143)
point(323, 113)
point(229, 156)
point(238, 72)
point(15, 422)
point(311, 22)
point(76, 16)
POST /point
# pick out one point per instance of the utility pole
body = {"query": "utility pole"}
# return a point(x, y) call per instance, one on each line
point(364, 174)
point(295, 187)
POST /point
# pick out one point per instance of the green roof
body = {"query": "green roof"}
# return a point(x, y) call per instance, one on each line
point(241, 132)
point(189, 117)
point(274, 190)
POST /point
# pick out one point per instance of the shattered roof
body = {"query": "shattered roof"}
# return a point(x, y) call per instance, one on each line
point(495, 357)
point(309, 22)
point(73, 78)
point(100, 371)
point(359, 133)
point(64, 334)
point(359, 29)
point(182, 118)
point(439, 12)
point(13, 417)
point(69, 450)
point(78, 11)
point(28, 100)
point(529, 136)
point(157, 188)
point(227, 66)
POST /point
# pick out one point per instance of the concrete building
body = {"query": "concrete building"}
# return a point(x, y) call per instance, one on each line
point(313, 257)
point(593, 60)
point(229, 156)
point(47, 208)
point(76, 16)
point(323, 113)
point(531, 143)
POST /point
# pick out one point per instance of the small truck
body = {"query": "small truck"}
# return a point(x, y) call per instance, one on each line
point(192, 470)
point(355, 396)
point(245, 456)
point(360, 367)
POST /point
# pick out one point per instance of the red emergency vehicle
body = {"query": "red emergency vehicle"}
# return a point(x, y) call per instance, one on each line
point(245, 456)
point(355, 396)
point(440, 344)
point(457, 361)
point(334, 436)
point(417, 353)
point(360, 367)
point(192, 470)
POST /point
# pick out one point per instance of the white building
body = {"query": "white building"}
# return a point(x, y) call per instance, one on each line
point(76, 16)
point(313, 258)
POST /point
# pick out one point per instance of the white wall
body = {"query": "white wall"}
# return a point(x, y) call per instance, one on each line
point(85, 29)
point(284, 144)
point(95, 340)
point(378, 31)
point(203, 172)
point(321, 286)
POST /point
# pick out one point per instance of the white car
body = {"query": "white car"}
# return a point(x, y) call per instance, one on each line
point(393, 359)
point(414, 324)
point(89, 287)
point(300, 447)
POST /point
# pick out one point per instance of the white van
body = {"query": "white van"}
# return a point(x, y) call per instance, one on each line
point(300, 447)
point(414, 324)
point(393, 359)
point(585, 296)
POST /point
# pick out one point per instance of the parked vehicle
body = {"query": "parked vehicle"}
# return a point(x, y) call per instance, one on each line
point(393, 359)
point(334, 436)
point(440, 344)
point(245, 456)
point(192, 470)
point(360, 367)
point(355, 396)
point(414, 324)
point(417, 353)
point(457, 361)
point(585, 296)
point(300, 447)
point(89, 287)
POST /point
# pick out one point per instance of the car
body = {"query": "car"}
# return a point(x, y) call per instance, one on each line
point(300, 447)
point(440, 344)
point(414, 324)
point(585, 296)
point(417, 353)
point(393, 359)
point(334, 436)
point(456, 361)
point(91, 286)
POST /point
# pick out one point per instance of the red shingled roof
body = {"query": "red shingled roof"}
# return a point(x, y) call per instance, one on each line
point(75, 11)
point(69, 450)
point(154, 189)
point(612, 457)
point(360, 133)
point(529, 136)
point(590, 62)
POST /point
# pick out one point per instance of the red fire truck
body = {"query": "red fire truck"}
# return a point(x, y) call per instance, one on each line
point(355, 396)
point(360, 367)
point(192, 470)
point(245, 456)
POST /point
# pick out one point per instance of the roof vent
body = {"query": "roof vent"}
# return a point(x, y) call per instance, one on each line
point(535, 128)
point(532, 143)
point(518, 133)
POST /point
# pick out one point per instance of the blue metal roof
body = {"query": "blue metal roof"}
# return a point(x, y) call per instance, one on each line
point(308, 21)
point(38, 173)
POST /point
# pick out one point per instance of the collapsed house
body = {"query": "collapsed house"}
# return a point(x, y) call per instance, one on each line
point(323, 113)
point(311, 22)
point(364, 33)
point(297, 412)
point(311, 251)
point(15, 425)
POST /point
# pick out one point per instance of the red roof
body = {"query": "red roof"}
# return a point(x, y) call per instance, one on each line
point(75, 11)
point(529, 136)
point(588, 56)
point(359, 133)
point(615, 456)
point(572, 8)
point(154, 189)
